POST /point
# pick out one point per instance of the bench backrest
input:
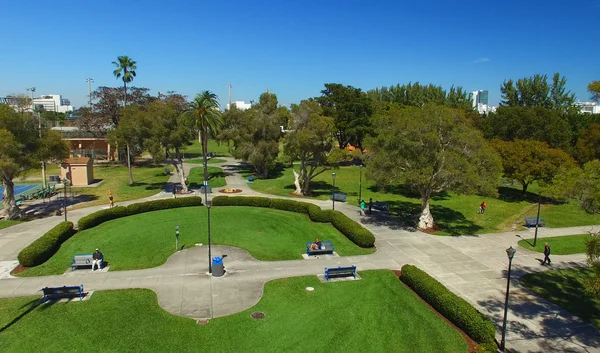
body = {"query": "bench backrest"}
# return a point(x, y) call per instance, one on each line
point(340, 270)
point(85, 259)
point(63, 290)
point(338, 196)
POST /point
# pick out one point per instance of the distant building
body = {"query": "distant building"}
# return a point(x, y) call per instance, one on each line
point(480, 101)
point(240, 105)
point(588, 107)
point(49, 103)
point(85, 144)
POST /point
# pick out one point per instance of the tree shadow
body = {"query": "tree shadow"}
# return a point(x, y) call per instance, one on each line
point(30, 305)
point(510, 194)
point(453, 222)
point(400, 189)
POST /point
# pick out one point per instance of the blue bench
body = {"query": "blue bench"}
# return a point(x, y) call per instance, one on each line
point(208, 189)
point(250, 179)
point(340, 272)
point(62, 292)
point(338, 196)
point(531, 222)
point(326, 248)
point(84, 260)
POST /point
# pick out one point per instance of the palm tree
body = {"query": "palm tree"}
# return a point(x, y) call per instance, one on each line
point(125, 69)
point(204, 110)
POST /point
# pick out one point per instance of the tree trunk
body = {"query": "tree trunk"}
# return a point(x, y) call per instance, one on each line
point(426, 218)
point(44, 174)
point(297, 182)
point(129, 165)
point(525, 185)
point(10, 209)
point(178, 164)
point(125, 94)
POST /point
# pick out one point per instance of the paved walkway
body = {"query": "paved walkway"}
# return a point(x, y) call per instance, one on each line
point(473, 267)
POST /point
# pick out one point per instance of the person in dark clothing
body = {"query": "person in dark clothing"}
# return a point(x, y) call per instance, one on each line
point(546, 254)
point(97, 259)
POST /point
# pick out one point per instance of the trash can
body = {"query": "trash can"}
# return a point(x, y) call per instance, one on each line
point(218, 270)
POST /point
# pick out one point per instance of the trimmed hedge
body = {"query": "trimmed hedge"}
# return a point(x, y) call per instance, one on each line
point(454, 308)
point(352, 230)
point(102, 216)
point(43, 248)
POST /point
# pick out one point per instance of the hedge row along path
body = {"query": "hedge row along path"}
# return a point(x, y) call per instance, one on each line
point(473, 267)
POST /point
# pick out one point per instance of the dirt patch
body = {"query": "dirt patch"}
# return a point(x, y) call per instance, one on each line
point(230, 191)
point(470, 343)
point(18, 269)
point(257, 315)
point(435, 228)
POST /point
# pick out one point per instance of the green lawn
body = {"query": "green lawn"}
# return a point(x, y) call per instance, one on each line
point(376, 314)
point(216, 177)
point(195, 150)
point(148, 239)
point(6, 224)
point(148, 182)
point(565, 289)
point(564, 245)
point(36, 174)
point(201, 161)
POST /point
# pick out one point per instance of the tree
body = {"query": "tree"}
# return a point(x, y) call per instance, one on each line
point(431, 149)
point(22, 148)
point(125, 69)
point(594, 89)
point(535, 91)
point(351, 110)
point(204, 111)
point(417, 95)
point(592, 251)
point(526, 161)
point(581, 184)
point(131, 132)
point(310, 142)
point(588, 145)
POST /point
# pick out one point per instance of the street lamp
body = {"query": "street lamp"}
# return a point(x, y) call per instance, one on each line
point(333, 194)
point(511, 253)
point(537, 221)
point(208, 204)
point(177, 238)
point(65, 197)
point(360, 187)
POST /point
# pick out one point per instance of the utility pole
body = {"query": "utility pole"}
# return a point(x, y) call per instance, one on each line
point(229, 89)
point(89, 81)
point(39, 116)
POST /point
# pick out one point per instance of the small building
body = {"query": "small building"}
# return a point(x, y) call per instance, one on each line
point(79, 171)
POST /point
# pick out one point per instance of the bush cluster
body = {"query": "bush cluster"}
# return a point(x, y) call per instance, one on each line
point(454, 308)
point(102, 216)
point(43, 248)
point(352, 230)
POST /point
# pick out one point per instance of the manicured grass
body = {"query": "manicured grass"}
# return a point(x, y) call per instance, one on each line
point(216, 177)
point(375, 314)
point(201, 161)
point(148, 182)
point(148, 239)
point(36, 174)
point(565, 289)
point(564, 245)
point(195, 150)
point(567, 215)
point(6, 224)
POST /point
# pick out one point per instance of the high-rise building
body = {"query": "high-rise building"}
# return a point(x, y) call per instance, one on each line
point(480, 101)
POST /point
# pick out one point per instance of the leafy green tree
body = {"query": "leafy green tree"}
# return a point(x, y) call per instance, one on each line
point(431, 149)
point(284, 117)
point(351, 110)
point(125, 69)
point(594, 89)
point(526, 161)
point(310, 141)
point(131, 132)
point(535, 91)
point(581, 184)
point(21, 148)
point(417, 95)
point(204, 111)
point(592, 251)
point(588, 145)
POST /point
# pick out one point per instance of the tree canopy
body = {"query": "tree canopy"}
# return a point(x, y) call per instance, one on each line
point(582, 184)
point(594, 89)
point(536, 91)
point(417, 95)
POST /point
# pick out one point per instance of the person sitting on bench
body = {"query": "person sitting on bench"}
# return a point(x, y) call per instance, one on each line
point(316, 245)
point(97, 259)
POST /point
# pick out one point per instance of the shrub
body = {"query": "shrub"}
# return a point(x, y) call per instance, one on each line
point(289, 205)
point(43, 248)
point(457, 310)
point(316, 214)
point(241, 201)
point(352, 230)
point(102, 216)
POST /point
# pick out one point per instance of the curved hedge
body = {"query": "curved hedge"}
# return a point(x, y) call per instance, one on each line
point(352, 230)
point(43, 248)
point(453, 307)
point(102, 216)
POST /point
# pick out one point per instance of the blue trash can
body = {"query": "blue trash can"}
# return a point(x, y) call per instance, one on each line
point(218, 270)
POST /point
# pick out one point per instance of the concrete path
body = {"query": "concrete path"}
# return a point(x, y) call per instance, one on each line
point(474, 267)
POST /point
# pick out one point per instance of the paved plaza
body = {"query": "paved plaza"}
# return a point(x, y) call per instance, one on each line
point(473, 267)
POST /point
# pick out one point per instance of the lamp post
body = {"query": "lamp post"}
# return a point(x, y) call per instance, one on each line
point(208, 204)
point(360, 185)
point(333, 194)
point(511, 253)
point(177, 238)
point(537, 222)
point(65, 197)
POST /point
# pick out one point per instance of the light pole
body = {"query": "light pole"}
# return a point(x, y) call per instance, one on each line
point(177, 238)
point(89, 81)
point(360, 185)
point(511, 253)
point(537, 222)
point(333, 194)
point(208, 204)
point(65, 197)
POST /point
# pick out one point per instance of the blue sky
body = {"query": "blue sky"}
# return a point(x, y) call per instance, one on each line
point(294, 47)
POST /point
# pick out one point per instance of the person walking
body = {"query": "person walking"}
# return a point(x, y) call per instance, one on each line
point(482, 207)
point(546, 254)
point(362, 207)
point(111, 201)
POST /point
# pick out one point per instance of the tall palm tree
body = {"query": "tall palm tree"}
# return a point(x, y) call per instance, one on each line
point(125, 69)
point(204, 110)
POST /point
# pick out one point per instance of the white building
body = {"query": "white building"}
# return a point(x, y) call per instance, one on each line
point(480, 101)
point(53, 103)
point(240, 105)
point(588, 107)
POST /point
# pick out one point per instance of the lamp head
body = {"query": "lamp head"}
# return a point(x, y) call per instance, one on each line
point(333, 175)
point(510, 252)
point(208, 203)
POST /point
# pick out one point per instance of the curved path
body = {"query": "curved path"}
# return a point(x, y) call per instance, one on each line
point(473, 267)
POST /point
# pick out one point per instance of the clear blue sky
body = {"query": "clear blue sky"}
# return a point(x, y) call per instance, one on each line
point(294, 47)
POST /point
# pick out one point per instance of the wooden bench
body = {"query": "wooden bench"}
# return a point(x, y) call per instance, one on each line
point(338, 196)
point(82, 260)
point(326, 248)
point(531, 222)
point(62, 292)
point(340, 272)
point(381, 206)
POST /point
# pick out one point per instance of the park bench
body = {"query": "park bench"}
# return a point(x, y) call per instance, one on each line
point(250, 179)
point(326, 248)
point(381, 206)
point(531, 222)
point(338, 196)
point(208, 189)
point(211, 154)
point(62, 292)
point(19, 201)
point(340, 272)
point(167, 171)
point(83, 260)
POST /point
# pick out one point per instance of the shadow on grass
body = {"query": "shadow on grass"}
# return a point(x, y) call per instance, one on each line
point(211, 176)
point(247, 169)
point(30, 305)
point(396, 189)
